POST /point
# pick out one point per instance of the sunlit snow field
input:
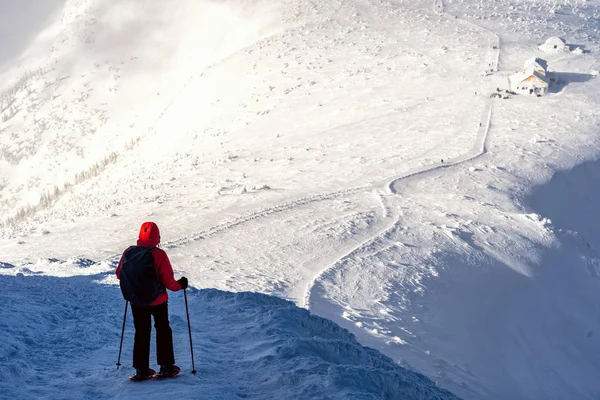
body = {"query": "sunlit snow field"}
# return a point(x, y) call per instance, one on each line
point(343, 155)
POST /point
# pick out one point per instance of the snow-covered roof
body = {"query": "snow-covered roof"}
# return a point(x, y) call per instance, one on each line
point(536, 60)
point(529, 72)
point(555, 40)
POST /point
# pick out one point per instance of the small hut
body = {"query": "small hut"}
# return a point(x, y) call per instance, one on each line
point(554, 45)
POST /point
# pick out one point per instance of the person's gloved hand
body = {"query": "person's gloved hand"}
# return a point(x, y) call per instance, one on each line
point(183, 282)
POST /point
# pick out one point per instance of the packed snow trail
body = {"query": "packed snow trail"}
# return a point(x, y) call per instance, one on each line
point(478, 149)
point(61, 338)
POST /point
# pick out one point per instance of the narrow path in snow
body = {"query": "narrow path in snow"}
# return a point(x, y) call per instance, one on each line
point(479, 148)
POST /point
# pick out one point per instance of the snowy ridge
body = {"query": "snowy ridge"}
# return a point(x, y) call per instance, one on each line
point(247, 345)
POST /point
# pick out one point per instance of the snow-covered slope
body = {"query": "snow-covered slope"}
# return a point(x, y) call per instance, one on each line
point(61, 338)
point(155, 124)
point(483, 277)
point(345, 155)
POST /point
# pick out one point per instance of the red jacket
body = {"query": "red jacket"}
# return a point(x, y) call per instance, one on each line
point(150, 237)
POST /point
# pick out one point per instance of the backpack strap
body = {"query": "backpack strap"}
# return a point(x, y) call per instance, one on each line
point(149, 250)
point(158, 281)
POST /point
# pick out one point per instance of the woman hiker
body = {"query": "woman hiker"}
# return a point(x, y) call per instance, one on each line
point(145, 274)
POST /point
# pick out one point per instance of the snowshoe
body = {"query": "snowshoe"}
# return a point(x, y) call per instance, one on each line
point(167, 371)
point(142, 374)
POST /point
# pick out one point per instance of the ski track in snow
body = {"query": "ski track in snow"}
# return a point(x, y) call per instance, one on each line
point(263, 213)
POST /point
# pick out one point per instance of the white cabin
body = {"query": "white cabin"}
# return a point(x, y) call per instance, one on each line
point(532, 79)
point(530, 82)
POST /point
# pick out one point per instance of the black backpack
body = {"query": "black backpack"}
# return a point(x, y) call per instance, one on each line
point(140, 284)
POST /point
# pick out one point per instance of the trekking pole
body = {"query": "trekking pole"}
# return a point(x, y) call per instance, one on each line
point(189, 330)
point(122, 333)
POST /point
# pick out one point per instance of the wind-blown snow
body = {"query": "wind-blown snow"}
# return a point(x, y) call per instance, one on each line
point(345, 155)
point(28, 29)
point(61, 338)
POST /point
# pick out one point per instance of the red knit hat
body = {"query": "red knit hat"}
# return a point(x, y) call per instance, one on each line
point(149, 233)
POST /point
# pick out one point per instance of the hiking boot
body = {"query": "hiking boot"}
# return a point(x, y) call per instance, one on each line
point(143, 374)
point(169, 370)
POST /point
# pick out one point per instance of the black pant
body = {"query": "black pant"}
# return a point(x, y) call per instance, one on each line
point(143, 329)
